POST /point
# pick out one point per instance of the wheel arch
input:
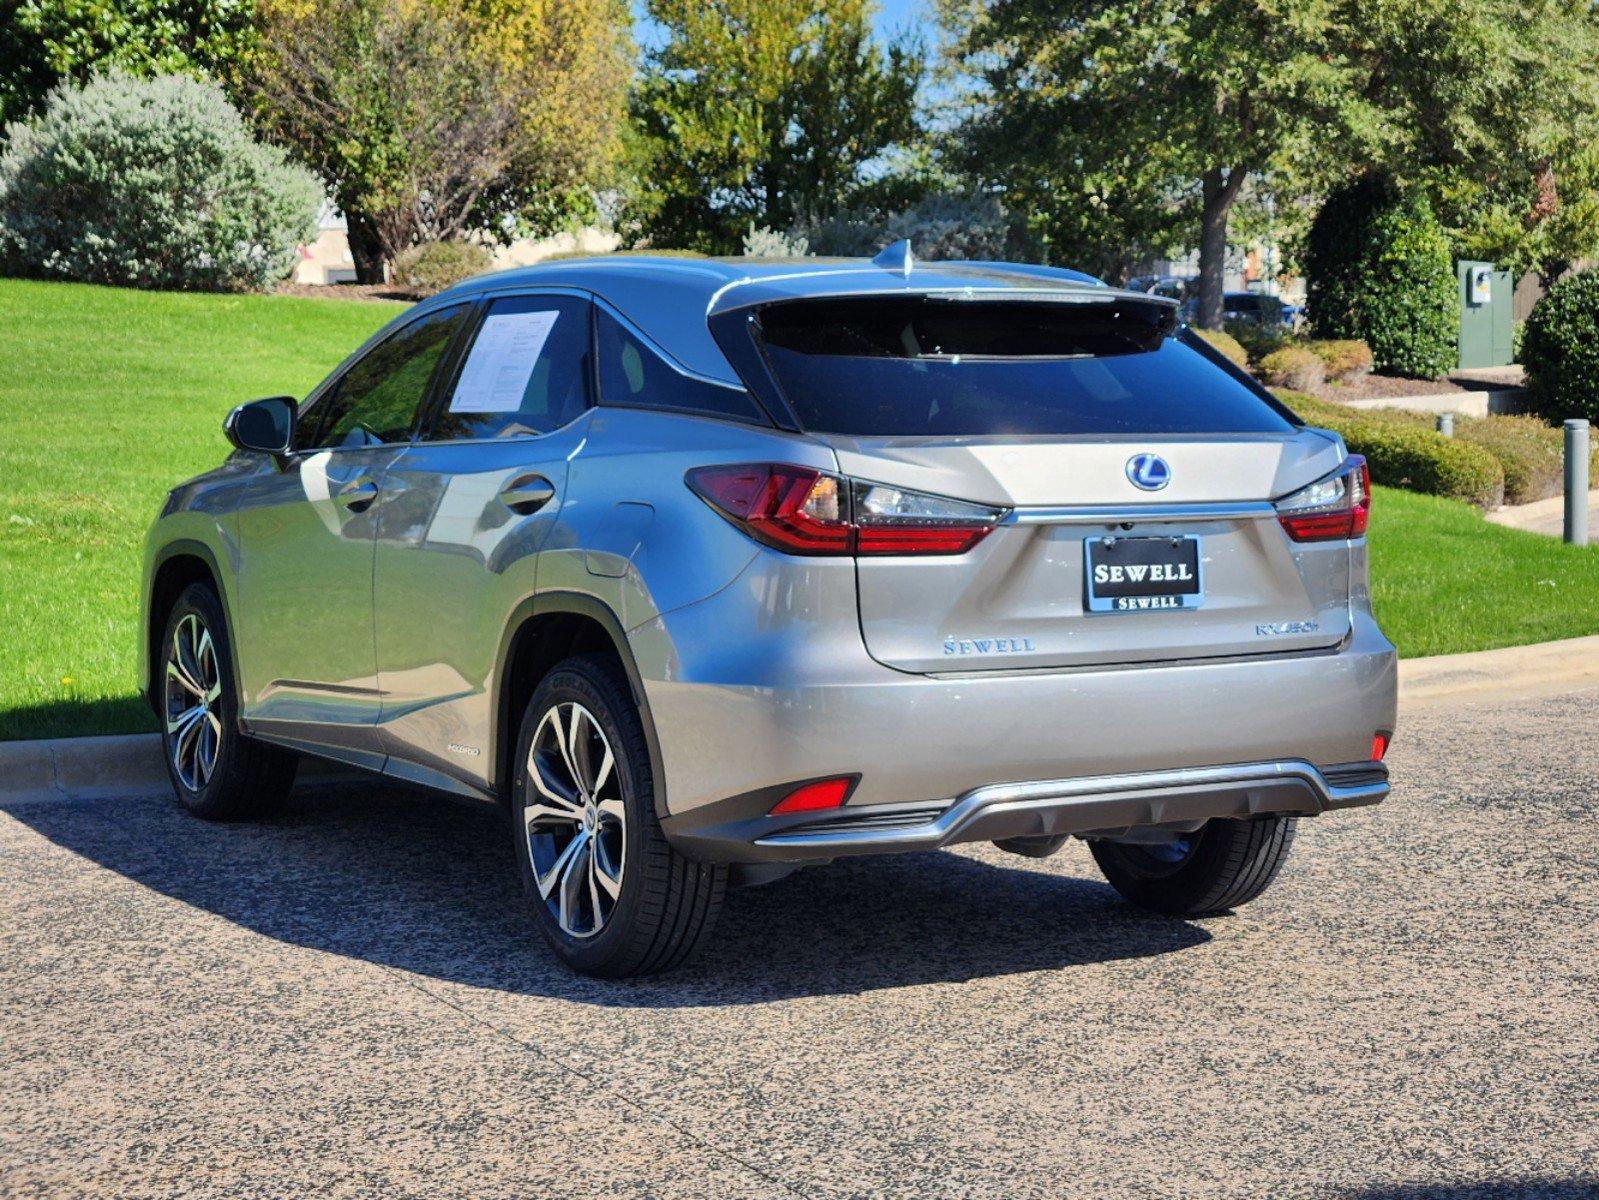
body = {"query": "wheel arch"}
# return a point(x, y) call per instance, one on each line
point(542, 631)
point(177, 565)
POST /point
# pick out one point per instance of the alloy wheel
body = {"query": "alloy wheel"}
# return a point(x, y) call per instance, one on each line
point(575, 820)
point(193, 696)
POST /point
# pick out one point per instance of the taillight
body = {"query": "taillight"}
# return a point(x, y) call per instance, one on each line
point(1332, 509)
point(804, 511)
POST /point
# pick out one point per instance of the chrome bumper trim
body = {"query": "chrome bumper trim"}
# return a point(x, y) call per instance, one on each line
point(1133, 513)
point(1100, 806)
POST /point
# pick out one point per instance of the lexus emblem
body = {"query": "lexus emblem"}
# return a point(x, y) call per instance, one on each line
point(1148, 471)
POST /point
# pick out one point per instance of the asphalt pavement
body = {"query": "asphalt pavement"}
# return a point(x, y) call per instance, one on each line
point(348, 1001)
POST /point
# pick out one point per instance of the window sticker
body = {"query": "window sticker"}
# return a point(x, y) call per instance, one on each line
point(501, 362)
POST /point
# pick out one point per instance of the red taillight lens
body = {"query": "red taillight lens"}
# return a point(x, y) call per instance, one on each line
point(1379, 746)
point(792, 508)
point(824, 793)
point(804, 511)
point(1333, 509)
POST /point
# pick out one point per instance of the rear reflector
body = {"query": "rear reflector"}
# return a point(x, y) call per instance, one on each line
point(824, 793)
point(1333, 509)
point(801, 510)
point(1379, 746)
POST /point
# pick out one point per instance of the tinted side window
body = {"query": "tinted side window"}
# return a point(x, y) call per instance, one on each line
point(376, 400)
point(526, 373)
point(634, 376)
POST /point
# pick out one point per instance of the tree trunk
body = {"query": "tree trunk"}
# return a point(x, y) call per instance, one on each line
point(366, 249)
point(1218, 190)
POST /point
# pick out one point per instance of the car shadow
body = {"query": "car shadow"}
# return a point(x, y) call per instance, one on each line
point(404, 880)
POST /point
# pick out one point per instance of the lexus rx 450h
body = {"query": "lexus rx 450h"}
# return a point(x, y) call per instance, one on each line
point(706, 570)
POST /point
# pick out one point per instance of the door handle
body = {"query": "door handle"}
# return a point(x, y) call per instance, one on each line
point(527, 494)
point(358, 494)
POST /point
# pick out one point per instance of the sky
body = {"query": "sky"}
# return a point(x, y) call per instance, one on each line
point(893, 16)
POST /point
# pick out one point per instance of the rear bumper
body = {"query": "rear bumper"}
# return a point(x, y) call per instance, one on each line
point(1103, 806)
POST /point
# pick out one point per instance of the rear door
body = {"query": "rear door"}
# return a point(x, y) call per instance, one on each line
point(468, 506)
point(1114, 444)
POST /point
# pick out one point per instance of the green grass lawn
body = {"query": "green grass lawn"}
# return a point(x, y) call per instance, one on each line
point(1444, 580)
point(109, 397)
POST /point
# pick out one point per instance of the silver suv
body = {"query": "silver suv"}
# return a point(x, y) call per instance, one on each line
point(704, 571)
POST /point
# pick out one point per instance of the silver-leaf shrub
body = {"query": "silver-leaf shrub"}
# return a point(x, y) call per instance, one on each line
point(151, 183)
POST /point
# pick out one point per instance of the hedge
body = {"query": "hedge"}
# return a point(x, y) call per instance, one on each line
point(434, 266)
point(1560, 349)
point(1226, 345)
point(152, 183)
point(1402, 451)
point(1293, 367)
point(1379, 268)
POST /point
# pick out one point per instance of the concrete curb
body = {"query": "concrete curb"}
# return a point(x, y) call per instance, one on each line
point(1511, 673)
point(93, 768)
point(90, 768)
point(1466, 404)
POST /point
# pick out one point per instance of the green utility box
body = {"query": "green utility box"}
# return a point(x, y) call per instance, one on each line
point(1484, 314)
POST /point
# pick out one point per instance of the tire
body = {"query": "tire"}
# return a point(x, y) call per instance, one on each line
point(216, 772)
point(616, 899)
point(1223, 865)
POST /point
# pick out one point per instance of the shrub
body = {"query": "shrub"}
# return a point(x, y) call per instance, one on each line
point(1293, 367)
point(939, 227)
point(1379, 269)
point(434, 266)
point(150, 183)
point(1258, 340)
point(1560, 349)
point(1402, 451)
point(1226, 345)
point(1344, 358)
point(1532, 454)
point(769, 243)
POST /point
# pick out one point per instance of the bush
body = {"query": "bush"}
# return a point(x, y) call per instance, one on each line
point(1293, 367)
point(1226, 345)
point(769, 243)
point(1560, 349)
point(1403, 451)
point(434, 266)
point(150, 183)
point(939, 227)
point(1258, 340)
point(1379, 269)
point(1531, 453)
point(1344, 358)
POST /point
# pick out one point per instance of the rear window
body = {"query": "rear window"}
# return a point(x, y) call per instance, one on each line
point(919, 366)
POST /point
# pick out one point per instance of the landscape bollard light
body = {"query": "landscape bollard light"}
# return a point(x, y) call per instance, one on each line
point(1577, 482)
point(1446, 424)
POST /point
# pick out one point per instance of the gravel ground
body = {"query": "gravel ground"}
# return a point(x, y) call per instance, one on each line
point(346, 1002)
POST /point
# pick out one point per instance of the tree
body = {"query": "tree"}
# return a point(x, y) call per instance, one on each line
point(1380, 269)
point(1132, 121)
point(1128, 123)
point(432, 119)
point(48, 41)
point(1492, 106)
point(763, 110)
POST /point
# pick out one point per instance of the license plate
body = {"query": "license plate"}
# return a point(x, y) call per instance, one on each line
point(1142, 574)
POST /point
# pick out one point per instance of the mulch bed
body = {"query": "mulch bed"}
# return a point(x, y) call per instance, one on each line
point(348, 291)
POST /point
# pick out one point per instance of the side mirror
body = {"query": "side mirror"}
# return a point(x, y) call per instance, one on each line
point(263, 426)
